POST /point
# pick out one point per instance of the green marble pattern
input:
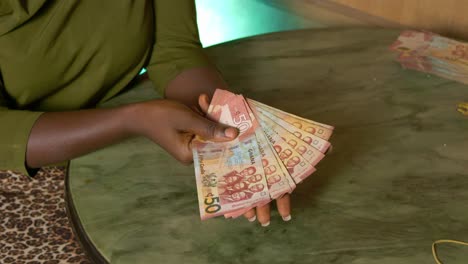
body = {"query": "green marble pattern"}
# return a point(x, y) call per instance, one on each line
point(397, 178)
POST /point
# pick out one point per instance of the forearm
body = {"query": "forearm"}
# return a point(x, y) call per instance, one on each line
point(188, 85)
point(61, 136)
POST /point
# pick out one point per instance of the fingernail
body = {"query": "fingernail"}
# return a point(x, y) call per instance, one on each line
point(287, 218)
point(253, 218)
point(266, 224)
point(230, 132)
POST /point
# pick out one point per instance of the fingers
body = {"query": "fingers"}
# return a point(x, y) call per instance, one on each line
point(177, 144)
point(263, 212)
point(250, 215)
point(263, 215)
point(210, 130)
point(185, 155)
point(284, 207)
point(204, 102)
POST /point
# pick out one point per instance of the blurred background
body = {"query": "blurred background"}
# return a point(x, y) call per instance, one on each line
point(221, 21)
point(224, 20)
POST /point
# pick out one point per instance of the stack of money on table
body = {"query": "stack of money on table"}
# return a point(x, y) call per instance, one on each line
point(432, 53)
point(274, 151)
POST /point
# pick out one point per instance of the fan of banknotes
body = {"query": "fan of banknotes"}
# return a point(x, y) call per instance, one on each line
point(274, 151)
point(432, 53)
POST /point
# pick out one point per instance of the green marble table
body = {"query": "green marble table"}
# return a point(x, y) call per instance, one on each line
point(396, 180)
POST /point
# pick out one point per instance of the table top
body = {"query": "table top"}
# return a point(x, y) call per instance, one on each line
point(397, 178)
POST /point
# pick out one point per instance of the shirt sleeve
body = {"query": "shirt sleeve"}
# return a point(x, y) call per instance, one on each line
point(15, 127)
point(177, 43)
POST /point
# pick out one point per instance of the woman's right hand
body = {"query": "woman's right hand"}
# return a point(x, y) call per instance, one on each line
point(61, 136)
point(173, 126)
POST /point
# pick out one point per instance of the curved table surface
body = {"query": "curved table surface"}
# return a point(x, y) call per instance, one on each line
point(396, 180)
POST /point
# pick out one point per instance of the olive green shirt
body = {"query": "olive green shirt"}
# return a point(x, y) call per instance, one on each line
point(67, 55)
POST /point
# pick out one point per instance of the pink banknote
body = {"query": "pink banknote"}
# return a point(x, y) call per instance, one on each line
point(229, 175)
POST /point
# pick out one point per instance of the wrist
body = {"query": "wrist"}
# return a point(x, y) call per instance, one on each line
point(139, 118)
point(132, 116)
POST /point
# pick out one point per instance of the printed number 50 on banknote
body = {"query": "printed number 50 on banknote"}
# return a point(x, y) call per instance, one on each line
point(229, 177)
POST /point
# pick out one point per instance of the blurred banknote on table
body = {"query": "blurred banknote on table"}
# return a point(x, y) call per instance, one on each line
point(431, 53)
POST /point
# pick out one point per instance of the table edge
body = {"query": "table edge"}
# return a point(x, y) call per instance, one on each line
point(83, 239)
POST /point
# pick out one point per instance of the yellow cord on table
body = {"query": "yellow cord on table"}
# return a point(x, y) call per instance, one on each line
point(441, 241)
point(463, 108)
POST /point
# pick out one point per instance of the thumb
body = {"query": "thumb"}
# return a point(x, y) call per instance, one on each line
point(212, 131)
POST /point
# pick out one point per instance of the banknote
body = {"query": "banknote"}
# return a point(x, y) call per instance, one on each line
point(278, 179)
point(410, 40)
point(309, 153)
point(273, 152)
point(276, 186)
point(297, 166)
point(428, 44)
point(432, 53)
point(315, 128)
point(229, 177)
point(438, 65)
point(240, 212)
point(319, 143)
point(229, 109)
point(234, 169)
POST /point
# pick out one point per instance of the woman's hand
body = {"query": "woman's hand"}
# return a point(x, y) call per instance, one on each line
point(262, 213)
point(173, 126)
point(186, 89)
